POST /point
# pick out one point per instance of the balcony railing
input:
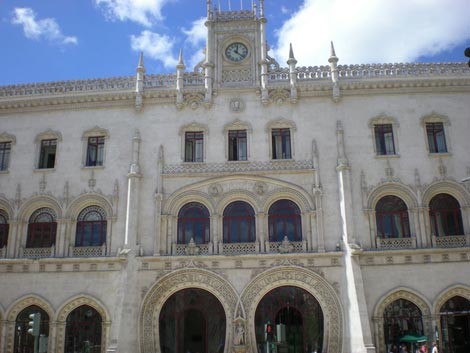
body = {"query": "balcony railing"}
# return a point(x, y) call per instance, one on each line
point(396, 243)
point(451, 241)
point(87, 251)
point(239, 248)
point(37, 253)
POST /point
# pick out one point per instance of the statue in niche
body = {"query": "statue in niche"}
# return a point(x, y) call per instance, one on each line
point(239, 334)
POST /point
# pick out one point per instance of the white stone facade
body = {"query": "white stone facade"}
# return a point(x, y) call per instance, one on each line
point(335, 176)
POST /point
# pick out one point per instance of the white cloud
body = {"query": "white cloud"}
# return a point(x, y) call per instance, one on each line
point(366, 31)
point(36, 29)
point(196, 35)
point(156, 46)
point(144, 12)
point(196, 38)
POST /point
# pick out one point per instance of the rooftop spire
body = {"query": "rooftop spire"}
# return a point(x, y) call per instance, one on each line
point(180, 60)
point(333, 57)
point(291, 55)
point(140, 65)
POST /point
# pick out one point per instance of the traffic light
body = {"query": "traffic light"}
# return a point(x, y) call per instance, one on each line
point(467, 54)
point(34, 324)
point(269, 333)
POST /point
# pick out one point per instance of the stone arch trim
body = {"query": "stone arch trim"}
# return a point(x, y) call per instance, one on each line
point(237, 195)
point(304, 203)
point(386, 300)
point(7, 208)
point(83, 201)
point(16, 308)
point(383, 119)
point(71, 305)
point(36, 202)
point(172, 283)
point(307, 280)
point(175, 203)
point(459, 290)
point(447, 187)
point(394, 189)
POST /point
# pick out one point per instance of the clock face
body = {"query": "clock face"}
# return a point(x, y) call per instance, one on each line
point(236, 52)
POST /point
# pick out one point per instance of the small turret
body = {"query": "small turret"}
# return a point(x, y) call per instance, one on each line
point(180, 80)
point(292, 75)
point(139, 85)
point(333, 60)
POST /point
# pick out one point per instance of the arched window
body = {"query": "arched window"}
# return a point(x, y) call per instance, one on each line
point(193, 222)
point(83, 331)
point(42, 229)
point(402, 317)
point(24, 342)
point(3, 229)
point(446, 218)
point(239, 223)
point(392, 218)
point(284, 221)
point(91, 227)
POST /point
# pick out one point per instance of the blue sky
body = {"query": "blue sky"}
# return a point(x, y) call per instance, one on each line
point(55, 40)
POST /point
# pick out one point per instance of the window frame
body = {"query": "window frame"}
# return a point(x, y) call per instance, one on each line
point(48, 135)
point(183, 220)
point(4, 229)
point(47, 230)
point(231, 219)
point(194, 146)
point(96, 132)
point(4, 139)
point(280, 125)
point(390, 215)
point(83, 222)
point(194, 127)
point(433, 119)
point(48, 147)
point(443, 213)
point(237, 125)
point(435, 133)
point(295, 218)
point(380, 122)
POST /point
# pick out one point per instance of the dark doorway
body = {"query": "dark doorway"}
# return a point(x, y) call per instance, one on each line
point(455, 325)
point(296, 319)
point(192, 321)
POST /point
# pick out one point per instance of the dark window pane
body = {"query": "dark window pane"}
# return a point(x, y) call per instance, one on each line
point(436, 138)
point(392, 218)
point(384, 139)
point(47, 154)
point(5, 149)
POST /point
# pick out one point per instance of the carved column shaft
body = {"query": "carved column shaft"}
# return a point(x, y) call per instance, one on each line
point(13, 239)
point(261, 226)
point(158, 238)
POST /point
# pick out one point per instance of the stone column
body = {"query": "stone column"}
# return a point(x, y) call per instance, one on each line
point(414, 225)
point(319, 219)
point(261, 226)
point(61, 237)
point(217, 237)
point(13, 238)
point(159, 234)
point(358, 332)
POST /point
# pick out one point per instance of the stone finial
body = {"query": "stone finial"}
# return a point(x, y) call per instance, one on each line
point(291, 59)
point(139, 84)
point(180, 81)
point(180, 61)
point(292, 75)
point(333, 60)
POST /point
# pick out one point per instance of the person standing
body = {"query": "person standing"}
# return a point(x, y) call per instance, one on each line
point(434, 348)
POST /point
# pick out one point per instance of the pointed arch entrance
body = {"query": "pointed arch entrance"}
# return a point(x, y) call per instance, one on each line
point(296, 318)
point(324, 309)
point(186, 292)
point(192, 320)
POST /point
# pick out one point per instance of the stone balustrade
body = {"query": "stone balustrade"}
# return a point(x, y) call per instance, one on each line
point(304, 74)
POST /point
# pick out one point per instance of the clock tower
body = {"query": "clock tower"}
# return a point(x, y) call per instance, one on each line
point(236, 48)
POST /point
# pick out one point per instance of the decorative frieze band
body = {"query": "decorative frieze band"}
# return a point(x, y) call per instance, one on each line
point(269, 166)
